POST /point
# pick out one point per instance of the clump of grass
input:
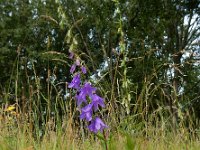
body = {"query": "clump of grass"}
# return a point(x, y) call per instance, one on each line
point(20, 137)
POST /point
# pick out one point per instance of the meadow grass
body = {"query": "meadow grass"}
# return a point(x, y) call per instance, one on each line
point(16, 135)
point(29, 124)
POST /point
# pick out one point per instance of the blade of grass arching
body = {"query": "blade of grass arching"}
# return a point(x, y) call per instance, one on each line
point(11, 78)
point(16, 84)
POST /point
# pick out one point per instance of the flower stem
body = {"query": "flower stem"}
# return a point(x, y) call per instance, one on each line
point(105, 139)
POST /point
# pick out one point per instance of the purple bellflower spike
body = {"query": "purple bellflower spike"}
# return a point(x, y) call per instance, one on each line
point(86, 112)
point(75, 82)
point(96, 101)
point(83, 69)
point(73, 68)
point(97, 125)
point(84, 92)
point(71, 55)
point(80, 100)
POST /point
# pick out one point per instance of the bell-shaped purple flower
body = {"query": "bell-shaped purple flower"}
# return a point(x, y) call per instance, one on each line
point(75, 83)
point(97, 125)
point(80, 100)
point(71, 55)
point(86, 112)
point(73, 68)
point(78, 63)
point(96, 101)
point(83, 69)
point(86, 90)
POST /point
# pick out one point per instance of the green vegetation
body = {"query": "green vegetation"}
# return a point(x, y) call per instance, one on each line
point(142, 55)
